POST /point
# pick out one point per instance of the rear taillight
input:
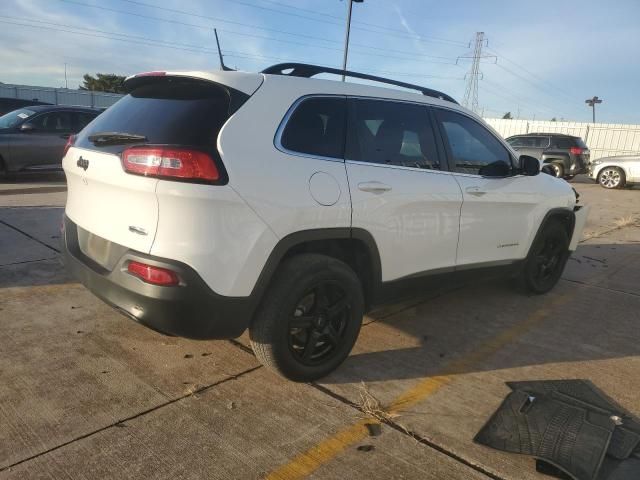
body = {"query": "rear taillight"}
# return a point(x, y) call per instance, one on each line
point(70, 141)
point(177, 163)
point(576, 150)
point(154, 275)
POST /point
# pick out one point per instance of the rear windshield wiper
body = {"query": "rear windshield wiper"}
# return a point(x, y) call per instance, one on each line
point(115, 138)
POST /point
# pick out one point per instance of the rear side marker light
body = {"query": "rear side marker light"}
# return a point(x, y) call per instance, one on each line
point(178, 163)
point(154, 275)
point(576, 150)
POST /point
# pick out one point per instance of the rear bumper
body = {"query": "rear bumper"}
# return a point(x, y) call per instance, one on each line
point(189, 310)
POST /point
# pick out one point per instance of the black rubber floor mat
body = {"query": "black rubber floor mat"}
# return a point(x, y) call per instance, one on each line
point(567, 436)
point(548, 469)
point(582, 393)
point(620, 469)
point(611, 470)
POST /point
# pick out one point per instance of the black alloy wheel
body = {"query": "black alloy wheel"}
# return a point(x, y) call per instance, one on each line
point(318, 324)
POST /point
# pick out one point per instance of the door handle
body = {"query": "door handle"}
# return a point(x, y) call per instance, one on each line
point(374, 187)
point(475, 191)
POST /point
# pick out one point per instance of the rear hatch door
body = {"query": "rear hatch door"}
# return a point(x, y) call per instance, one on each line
point(161, 110)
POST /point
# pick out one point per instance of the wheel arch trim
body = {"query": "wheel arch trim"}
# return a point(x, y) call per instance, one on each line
point(564, 213)
point(296, 239)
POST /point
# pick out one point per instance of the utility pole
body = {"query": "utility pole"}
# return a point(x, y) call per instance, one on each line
point(346, 38)
point(592, 103)
point(66, 85)
point(471, 91)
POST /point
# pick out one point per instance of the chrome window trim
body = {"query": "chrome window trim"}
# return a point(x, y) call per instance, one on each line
point(397, 167)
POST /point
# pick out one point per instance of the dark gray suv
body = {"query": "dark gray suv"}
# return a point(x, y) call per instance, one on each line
point(564, 155)
point(34, 138)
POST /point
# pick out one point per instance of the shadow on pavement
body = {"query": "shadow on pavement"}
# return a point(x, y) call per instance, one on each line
point(29, 247)
point(590, 315)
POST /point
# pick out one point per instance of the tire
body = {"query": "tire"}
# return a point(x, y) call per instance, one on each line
point(558, 169)
point(547, 258)
point(309, 318)
point(611, 177)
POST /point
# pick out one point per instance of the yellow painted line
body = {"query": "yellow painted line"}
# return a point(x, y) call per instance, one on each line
point(307, 462)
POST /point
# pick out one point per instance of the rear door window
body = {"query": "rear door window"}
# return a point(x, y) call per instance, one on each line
point(167, 111)
point(316, 127)
point(391, 133)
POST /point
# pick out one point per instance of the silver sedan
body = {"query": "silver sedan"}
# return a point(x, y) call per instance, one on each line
point(615, 172)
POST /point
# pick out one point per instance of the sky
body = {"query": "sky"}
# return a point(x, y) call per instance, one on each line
point(542, 59)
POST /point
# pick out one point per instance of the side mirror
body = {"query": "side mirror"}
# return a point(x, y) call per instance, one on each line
point(530, 166)
point(27, 127)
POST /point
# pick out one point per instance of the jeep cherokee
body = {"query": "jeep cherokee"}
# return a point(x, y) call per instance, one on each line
point(203, 204)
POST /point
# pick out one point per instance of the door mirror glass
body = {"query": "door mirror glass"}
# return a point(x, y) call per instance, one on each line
point(529, 166)
point(27, 127)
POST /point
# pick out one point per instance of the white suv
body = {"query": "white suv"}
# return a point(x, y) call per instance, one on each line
point(203, 204)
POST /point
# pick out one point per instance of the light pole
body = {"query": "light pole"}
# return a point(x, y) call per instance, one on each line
point(346, 38)
point(592, 103)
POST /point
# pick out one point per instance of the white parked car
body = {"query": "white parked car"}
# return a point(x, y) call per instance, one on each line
point(615, 172)
point(203, 204)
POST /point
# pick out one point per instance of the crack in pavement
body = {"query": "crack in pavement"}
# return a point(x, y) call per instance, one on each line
point(6, 224)
point(403, 430)
point(579, 282)
point(26, 261)
point(131, 417)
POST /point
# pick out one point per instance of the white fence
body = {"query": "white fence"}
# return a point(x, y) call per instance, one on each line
point(59, 96)
point(603, 139)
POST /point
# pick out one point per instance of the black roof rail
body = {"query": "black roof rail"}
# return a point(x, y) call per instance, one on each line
point(307, 71)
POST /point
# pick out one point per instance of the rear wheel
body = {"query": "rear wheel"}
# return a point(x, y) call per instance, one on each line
point(557, 169)
point(309, 319)
point(547, 258)
point(611, 177)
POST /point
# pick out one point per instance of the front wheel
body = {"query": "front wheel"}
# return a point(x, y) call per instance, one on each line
point(547, 258)
point(309, 319)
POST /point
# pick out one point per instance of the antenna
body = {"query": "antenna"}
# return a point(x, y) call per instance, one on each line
point(222, 65)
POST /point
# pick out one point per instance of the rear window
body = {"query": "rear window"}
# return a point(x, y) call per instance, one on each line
point(168, 111)
point(568, 142)
point(580, 143)
point(529, 142)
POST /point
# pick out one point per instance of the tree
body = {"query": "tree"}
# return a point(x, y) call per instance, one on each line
point(103, 82)
point(507, 116)
point(554, 119)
